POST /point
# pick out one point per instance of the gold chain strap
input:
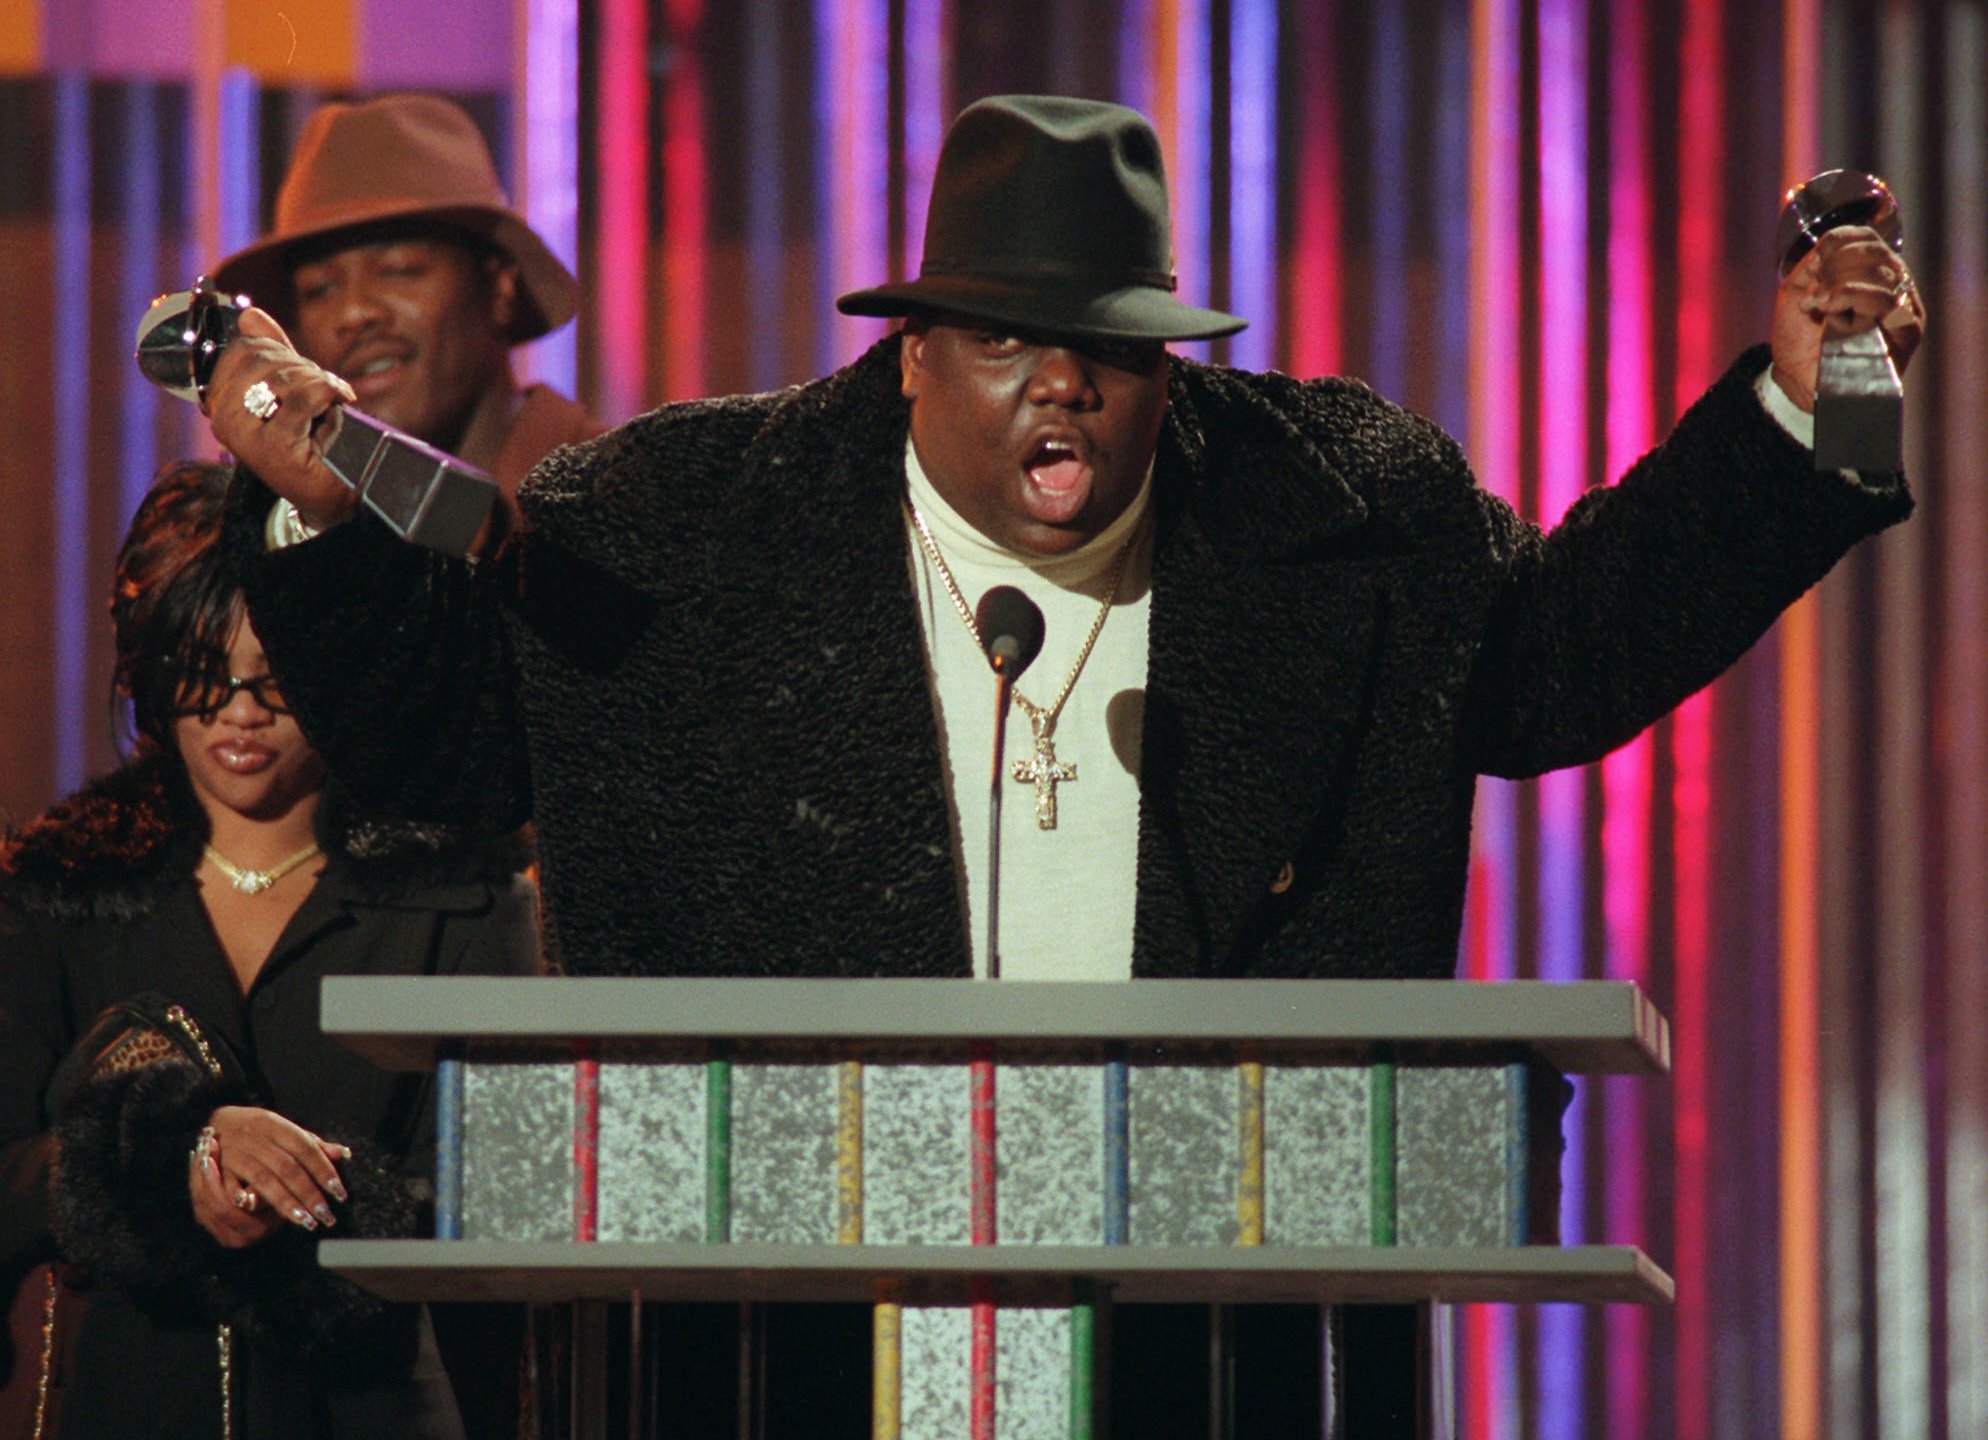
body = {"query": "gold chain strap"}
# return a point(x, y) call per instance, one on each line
point(47, 1352)
point(1042, 718)
point(178, 1017)
point(224, 1335)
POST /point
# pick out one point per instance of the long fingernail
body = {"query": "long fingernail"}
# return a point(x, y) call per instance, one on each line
point(325, 1217)
point(303, 1219)
point(337, 1190)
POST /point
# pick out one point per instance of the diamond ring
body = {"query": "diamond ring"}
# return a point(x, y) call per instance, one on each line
point(260, 401)
point(246, 1199)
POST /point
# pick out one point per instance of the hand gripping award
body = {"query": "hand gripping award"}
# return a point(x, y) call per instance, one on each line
point(423, 494)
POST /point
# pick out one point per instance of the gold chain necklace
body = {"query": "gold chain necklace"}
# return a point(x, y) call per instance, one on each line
point(1042, 770)
point(254, 882)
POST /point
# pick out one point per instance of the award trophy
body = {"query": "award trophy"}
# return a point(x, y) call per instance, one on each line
point(1859, 404)
point(423, 494)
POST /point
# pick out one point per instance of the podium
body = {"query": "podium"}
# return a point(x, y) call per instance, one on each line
point(993, 1167)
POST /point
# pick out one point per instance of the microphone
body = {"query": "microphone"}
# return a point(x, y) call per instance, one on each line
point(1010, 626)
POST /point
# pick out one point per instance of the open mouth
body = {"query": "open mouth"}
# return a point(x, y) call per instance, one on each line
point(1059, 482)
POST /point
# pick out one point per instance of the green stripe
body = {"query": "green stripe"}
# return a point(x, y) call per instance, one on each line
point(717, 1151)
point(1083, 1351)
point(1381, 1141)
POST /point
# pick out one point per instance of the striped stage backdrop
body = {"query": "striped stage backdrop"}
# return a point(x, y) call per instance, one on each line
point(1546, 223)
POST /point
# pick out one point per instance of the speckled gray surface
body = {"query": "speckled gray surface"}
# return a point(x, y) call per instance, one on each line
point(517, 1153)
point(936, 1371)
point(783, 1154)
point(1032, 1374)
point(652, 1153)
point(1317, 1155)
point(1049, 1150)
point(1452, 1129)
point(1186, 1154)
point(917, 1141)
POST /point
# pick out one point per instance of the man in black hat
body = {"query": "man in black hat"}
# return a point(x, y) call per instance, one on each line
point(724, 663)
point(725, 655)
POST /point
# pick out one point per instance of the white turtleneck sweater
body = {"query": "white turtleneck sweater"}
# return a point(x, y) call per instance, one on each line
point(1066, 894)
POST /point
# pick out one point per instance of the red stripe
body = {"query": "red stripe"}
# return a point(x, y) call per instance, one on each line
point(586, 1139)
point(981, 1083)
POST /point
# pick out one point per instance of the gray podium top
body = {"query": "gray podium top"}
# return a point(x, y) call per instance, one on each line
point(1580, 1027)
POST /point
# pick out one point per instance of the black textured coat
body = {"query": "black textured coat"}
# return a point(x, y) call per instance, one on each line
point(700, 669)
point(97, 903)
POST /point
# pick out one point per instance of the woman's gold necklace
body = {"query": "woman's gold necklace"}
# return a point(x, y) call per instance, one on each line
point(254, 882)
point(1042, 770)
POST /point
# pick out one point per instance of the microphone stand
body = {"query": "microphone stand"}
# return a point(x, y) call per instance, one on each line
point(1004, 685)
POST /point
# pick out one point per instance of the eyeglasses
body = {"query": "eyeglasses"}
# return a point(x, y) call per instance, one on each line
point(210, 700)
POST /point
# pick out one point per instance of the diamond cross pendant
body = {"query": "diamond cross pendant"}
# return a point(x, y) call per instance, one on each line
point(1044, 772)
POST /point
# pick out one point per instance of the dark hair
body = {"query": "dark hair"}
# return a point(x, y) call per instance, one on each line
point(172, 606)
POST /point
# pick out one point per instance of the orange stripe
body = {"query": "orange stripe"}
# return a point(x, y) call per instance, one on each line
point(1801, 1159)
point(283, 42)
point(20, 36)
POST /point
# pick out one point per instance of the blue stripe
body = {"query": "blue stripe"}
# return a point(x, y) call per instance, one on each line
point(1117, 1152)
point(448, 1147)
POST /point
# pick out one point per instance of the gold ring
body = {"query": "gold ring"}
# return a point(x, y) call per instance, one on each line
point(260, 401)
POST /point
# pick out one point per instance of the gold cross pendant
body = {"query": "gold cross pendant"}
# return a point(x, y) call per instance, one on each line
point(1042, 771)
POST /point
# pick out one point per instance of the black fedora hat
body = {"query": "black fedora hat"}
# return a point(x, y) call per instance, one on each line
point(1050, 212)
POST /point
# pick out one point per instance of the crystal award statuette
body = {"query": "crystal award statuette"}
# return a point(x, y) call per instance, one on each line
point(423, 494)
point(1859, 403)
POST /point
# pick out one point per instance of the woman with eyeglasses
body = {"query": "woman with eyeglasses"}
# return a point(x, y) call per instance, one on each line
point(164, 1272)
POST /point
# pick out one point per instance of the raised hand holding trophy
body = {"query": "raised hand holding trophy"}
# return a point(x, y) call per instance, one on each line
point(1859, 402)
point(423, 494)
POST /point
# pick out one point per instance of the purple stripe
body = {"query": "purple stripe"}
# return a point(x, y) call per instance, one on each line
point(69, 374)
point(398, 46)
point(1253, 266)
point(549, 190)
point(766, 262)
point(241, 184)
point(139, 403)
point(1389, 118)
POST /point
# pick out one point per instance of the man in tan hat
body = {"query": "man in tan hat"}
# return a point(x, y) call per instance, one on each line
point(396, 262)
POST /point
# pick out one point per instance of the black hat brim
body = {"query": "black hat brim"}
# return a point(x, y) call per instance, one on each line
point(1132, 312)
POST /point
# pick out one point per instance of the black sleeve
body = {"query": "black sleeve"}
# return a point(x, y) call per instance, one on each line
point(398, 663)
point(1650, 587)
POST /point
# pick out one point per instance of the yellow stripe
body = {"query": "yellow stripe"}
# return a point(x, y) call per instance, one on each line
point(849, 1153)
point(20, 36)
point(1249, 1185)
point(886, 1421)
point(284, 42)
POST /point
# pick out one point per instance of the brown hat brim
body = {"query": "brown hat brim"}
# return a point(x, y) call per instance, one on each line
point(1131, 312)
point(549, 293)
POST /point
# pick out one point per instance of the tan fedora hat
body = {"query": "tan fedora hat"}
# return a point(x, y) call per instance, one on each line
point(400, 157)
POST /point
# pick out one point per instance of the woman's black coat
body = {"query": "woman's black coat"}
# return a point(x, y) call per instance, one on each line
point(97, 903)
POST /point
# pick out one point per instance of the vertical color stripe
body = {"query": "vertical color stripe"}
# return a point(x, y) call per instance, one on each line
point(1249, 1176)
point(1381, 1150)
point(618, 305)
point(1083, 1359)
point(547, 146)
point(1800, 1159)
point(586, 1141)
point(982, 1364)
point(1253, 181)
point(886, 1370)
point(685, 208)
point(717, 1151)
point(20, 37)
point(1313, 263)
point(1117, 1151)
point(927, 112)
point(852, 176)
point(448, 1146)
point(70, 406)
point(764, 157)
point(139, 285)
point(849, 1153)
point(1388, 318)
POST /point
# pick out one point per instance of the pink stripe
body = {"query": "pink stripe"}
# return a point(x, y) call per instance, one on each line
point(684, 190)
point(620, 283)
point(1314, 261)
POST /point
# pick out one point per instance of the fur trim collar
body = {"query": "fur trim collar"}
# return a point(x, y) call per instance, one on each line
point(114, 849)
